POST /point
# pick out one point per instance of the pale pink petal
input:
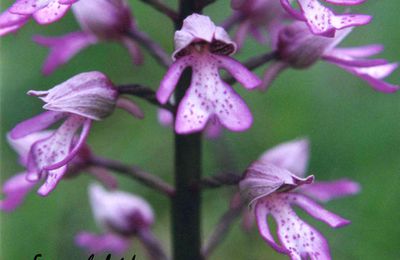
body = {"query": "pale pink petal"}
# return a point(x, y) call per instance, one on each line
point(296, 14)
point(345, 2)
point(214, 128)
point(298, 239)
point(130, 107)
point(292, 156)
point(262, 210)
point(53, 12)
point(262, 179)
point(63, 48)
point(165, 117)
point(25, 7)
point(104, 176)
point(323, 21)
point(98, 243)
point(36, 123)
point(89, 94)
point(171, 78)
point(23, 145)
point(271, 74)
point(339, 58)
point(10, 22)
point(56, 148)
point(120, 211)
point(67, 2)
point(195, 28)
point(134, 50)
point(316, 210)
point(15, 190)
point(52, 180)
point(361, 51)
point(208, 95)
point(373, 76)
point(247, 78)
point(326, 191)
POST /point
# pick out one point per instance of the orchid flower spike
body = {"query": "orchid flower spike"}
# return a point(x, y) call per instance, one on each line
point(275, 182)
point(43, 12)
point(100, 20)
point(17, 187)
point(121, 216)
point(322, 20)
point(257, 17)
point(298, 48)
point(80, 100)
point(205, 48)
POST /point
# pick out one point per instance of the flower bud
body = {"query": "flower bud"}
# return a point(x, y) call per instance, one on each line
point(104, 18)
point(119, 211)
point(90, 94)
point(298, 47)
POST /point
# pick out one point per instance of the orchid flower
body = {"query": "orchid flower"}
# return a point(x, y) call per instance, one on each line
point(80, 100)
point(322, 20)
point(205, 48)
point(257, 17)
point(275, 182)
point(121, 216)
point(100, 20)
point(43, 12)
point(17, 187)
point(298, 48)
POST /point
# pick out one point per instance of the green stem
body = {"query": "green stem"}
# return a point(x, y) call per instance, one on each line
point(186, 203)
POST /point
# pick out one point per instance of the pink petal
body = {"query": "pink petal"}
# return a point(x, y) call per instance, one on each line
point(296, 14)
point(120, 211)
point(373, 76)
point(56, 149)
point(171, 78)
point(341, 59)
point(89, 94)
point(134, 50)
point(23, 145)
point(63, 48)
point(15, 190)
point(247, 78)
point(214, 128)
point(316, 210)
point(53, 12)
point(36, 123)
point(292, 156)
point(26, 7)
point(326, 191)
point(271, 74)
point(298, 239)
point(108, 242)
point(52, 180)
point(323, 21)
point(208, 95)
point(104, 176)
point(345, 2)
point(361, 51)
point(130, 107)
point(10, 22)
point(262, 179)
point(165, 117)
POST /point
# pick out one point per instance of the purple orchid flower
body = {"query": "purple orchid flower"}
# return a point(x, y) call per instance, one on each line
point(80, 100)
point(276, 182)
point(121, 215)
point(43, 12)
point(257, 17)
point(100, 20)
point(323, 21)
point(17, 187)
point(205, 47)
point(298, 48)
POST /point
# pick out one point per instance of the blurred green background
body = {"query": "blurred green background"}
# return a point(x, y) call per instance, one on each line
point(354, 133)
